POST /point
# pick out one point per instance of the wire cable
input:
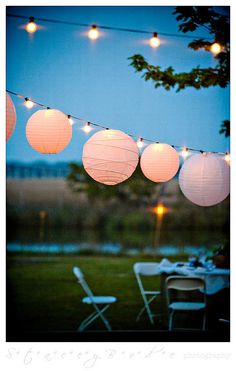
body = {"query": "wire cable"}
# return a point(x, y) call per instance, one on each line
point(132, 30)
point(95, 124)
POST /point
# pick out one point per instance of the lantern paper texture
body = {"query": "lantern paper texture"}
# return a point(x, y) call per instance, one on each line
point(48, 131)
point(10, 116)
point(159, 162)
point(110, 156)
point(204, 179)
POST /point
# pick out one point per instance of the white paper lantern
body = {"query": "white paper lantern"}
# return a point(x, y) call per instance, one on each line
point(10, 116)
point(48, 131)
point(159, 162)
point(110, 156)
point(204, 179)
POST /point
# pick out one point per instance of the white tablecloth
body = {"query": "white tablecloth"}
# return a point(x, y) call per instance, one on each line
point(215, 279)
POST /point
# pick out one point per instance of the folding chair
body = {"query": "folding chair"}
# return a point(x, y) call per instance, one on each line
point(100, 303)
point(185, 283)
point(146, 269)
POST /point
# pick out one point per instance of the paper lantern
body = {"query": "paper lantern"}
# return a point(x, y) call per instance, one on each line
point(48, 131)
point(159, 162)
point(204, 179)
point(110, 156)
point(10, 116)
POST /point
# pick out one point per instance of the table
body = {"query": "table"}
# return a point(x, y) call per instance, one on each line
point(216, 279)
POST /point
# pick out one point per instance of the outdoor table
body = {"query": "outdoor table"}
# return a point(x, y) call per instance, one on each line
point(216, 279)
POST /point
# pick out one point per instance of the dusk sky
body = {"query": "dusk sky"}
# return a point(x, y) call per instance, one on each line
point(61, 67)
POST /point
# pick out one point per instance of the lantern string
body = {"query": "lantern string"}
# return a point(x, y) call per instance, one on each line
point(95, 124)
point(112, 28)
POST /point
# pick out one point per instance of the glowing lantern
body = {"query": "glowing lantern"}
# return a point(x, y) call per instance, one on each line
point(93, 33)
point(31, 27)
point(204, 179)
point(10, 116)
point(159, 162)
point(48, 131)
point(154, 41)
point(215, 48)
point(110, 156)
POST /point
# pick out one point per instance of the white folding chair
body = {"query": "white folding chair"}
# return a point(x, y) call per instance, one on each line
point(185, 283)
point(146, 269)
point(100, 303)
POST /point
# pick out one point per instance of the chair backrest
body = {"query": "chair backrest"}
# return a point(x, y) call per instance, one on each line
point(147, 269)
point(185, 283)
point(79, 275)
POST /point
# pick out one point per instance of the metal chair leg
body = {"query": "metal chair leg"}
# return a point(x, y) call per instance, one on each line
point(204, 321)
point(171, 315)
point(91, 318)
point(147, 308)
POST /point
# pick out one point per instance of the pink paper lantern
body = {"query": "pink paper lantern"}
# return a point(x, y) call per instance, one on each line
point(48, 131)
point(10, 116)
point(110, 156)
point(204, 179)
point(159, 162)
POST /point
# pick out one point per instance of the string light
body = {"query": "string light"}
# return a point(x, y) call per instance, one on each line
point(93, 33)
point(184, 153)
point(215, 48)
point(120, 29)
point(71, 121)
point(31, 27)
point(28, 103)
point(140, 143)
point(154, 41)
point(227, 158)
point(88, 127)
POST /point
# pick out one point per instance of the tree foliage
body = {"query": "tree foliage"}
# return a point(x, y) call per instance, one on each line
point(192, 18)
point(137, 190)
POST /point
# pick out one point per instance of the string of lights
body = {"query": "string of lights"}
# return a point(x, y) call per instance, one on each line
point(89, 125)
point(93, 31)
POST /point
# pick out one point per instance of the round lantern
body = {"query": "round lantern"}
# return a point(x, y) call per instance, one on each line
point(48, 131)
point(10, 116)
point(159, 162)
point(110, 156)
point(204, 179)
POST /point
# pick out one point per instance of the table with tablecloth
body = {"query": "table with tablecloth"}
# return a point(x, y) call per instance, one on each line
point(216, 279)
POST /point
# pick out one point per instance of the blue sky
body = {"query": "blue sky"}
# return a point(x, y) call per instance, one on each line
point(61, 67)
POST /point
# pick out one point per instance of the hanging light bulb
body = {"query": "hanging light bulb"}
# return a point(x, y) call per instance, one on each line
point(28, 103)
point(140, 143)
point(31, 27)
point(154, 41)
point(87, 128)
point(93, 33)
point(215, 48)
point(227, 158)
point(71, 121)
point(184, 153)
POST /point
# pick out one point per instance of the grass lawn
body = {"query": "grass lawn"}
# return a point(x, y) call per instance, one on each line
point(43, 294)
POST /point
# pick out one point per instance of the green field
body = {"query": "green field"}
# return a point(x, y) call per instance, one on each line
point(43, 294)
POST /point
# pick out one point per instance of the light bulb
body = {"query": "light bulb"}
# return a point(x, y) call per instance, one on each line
point(71, 121)
point(31, 27)
point(93, 33)
point(28, 103)
point(227, 158)
point(140, 143)
point(185, 153)
point(154, 41)
point(215, 48)
point(87, 128)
